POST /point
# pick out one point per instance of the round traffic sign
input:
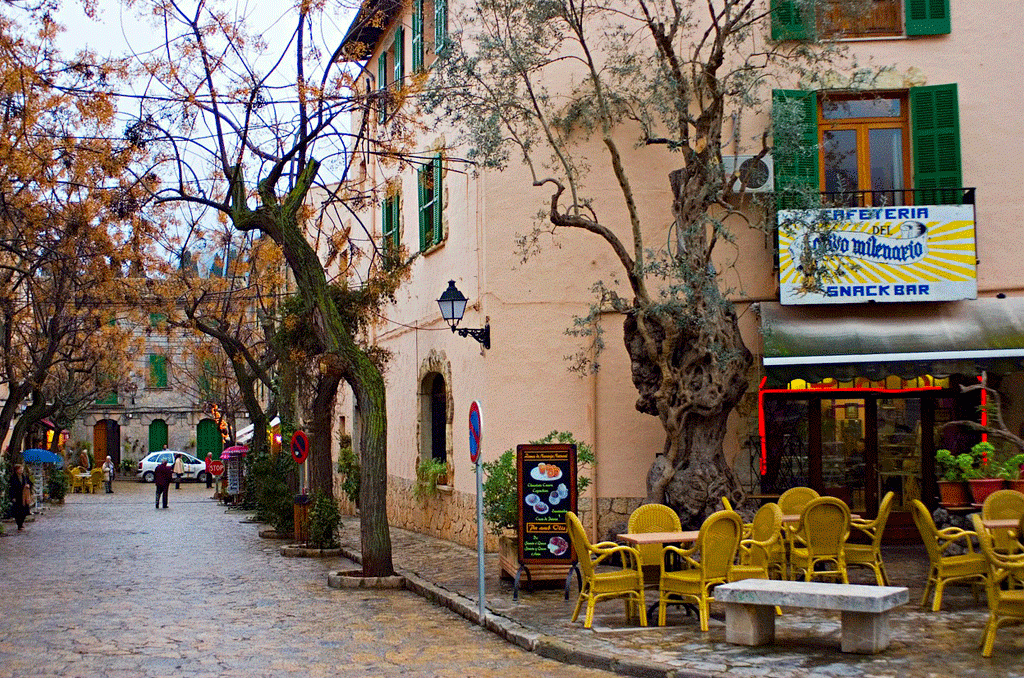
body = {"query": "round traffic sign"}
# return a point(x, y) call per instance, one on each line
point(476, 431)
point(300, 447)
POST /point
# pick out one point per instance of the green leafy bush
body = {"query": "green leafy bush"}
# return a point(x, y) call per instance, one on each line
point(348, 468)
point(268, 490)
point(56, 484)
point(324, 521)
point(429, 473)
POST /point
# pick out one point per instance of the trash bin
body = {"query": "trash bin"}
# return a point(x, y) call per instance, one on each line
point(301, 518)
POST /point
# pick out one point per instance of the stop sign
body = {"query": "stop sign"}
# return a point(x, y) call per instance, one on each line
point(215, 467)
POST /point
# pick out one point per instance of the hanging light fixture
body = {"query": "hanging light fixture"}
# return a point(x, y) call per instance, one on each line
point(453, 307)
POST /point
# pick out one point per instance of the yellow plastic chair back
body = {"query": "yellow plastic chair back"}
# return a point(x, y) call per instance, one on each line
point(1004, 504)
point(969, 567)
point(625, 582)
point(96, 479)
point(77, 482)
point(717, 543)
point(653, 518)
point(793, 500)
point(761, 553)
point(1004, 605)
point(820, 537)
point(870, 555)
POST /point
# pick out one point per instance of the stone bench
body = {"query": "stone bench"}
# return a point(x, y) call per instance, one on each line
point(750, 609)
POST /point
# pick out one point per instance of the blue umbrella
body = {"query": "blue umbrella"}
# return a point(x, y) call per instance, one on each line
point(37, 456)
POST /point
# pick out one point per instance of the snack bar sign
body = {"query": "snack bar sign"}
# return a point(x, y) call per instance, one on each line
point(547, 490)
point(881, 254)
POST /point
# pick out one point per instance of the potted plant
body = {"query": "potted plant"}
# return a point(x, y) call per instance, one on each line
point(952, 490)
point(430, 473)
point(982, 477)
point(1010, 471)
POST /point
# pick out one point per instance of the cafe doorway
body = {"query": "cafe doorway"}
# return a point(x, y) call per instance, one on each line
point(858, 444)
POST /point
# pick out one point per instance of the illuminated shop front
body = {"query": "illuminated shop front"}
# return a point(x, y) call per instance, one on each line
point(854, 404)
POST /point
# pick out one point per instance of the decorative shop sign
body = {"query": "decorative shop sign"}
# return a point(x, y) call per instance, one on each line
point(547, 490)
point(883, 254)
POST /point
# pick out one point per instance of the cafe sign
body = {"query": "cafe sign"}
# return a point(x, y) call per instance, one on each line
point(878, 254)
point(546, 491)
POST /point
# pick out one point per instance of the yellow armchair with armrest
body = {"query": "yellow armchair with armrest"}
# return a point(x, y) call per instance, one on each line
point(1004, 605)
point(820, 537)
point(870, 555)
point(716, 545)
point(969, 567)
point(1004, 504)
point(626, 582)
point(652, 518)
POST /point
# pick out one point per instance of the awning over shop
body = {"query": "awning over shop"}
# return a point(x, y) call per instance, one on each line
point(244, 435)
point(907, 340)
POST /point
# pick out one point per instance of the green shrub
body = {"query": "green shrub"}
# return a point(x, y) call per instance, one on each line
point(56, 484)
point(268, 490)
point(348, 467)
point(428, 473)
point(324, 521)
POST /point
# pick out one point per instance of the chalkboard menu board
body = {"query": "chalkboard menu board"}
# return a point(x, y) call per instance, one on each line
point(547, 490)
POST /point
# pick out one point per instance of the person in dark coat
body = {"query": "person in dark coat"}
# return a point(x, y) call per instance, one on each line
point(162, 477)
point(19, 481)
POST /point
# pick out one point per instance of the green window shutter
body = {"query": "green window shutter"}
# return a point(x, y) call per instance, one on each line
point(157, 371)
point(157, 319)
point(109, 399)
point(424, 205)
point(796, 150)
point(440, 25)
point(438, 206)
point(399, 48)
point(792, 20)
point(935, 132)
point(382, 85)
point(417, 35)
point(926, 17)
point(390, 230)
point(396, 223)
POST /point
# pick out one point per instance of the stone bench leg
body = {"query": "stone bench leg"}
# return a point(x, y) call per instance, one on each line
point(749, 624)
point(865, 632)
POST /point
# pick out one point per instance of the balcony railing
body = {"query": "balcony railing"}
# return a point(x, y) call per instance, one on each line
point(899, 197)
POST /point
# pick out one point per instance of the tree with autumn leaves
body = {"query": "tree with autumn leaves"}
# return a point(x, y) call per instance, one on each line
point(69, 237)
point(246, 134)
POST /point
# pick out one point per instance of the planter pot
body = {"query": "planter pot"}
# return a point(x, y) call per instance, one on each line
point(1016, 485)
point(982, 487)
point(953, 493)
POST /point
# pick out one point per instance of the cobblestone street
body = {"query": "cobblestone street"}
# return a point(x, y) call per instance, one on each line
point(106, 585)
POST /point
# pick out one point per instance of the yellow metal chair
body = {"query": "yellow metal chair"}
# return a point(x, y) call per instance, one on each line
point(95, 480)
point(760, 552)
point(652, 518)
point(792, 502)
point(1004, 605)
point(626, 582)
point(1004, 504)
point(870, 555)
point(820, 537)
point(716, 546)
point(969, 567)
point(77, 482)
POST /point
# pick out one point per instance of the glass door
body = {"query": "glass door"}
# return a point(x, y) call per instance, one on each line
point(843, 451)
point(899, 450)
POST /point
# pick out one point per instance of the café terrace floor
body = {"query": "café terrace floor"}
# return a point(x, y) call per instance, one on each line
point(924, 644)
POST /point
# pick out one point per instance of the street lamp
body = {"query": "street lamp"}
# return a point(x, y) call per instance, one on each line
point(453, 307)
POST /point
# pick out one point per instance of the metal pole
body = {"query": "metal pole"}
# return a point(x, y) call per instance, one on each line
point(480, 538)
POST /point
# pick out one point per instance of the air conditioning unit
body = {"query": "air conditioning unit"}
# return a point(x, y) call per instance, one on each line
point(759, 172)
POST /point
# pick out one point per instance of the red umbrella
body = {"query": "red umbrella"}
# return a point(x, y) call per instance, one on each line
point(234, 451)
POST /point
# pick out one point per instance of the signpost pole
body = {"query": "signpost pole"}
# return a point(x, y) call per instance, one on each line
point(476, 432)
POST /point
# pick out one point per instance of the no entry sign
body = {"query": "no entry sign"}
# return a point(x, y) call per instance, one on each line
point(476, 431)
point(300, 447)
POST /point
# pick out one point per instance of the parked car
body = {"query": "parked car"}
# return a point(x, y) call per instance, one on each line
point(194, 468)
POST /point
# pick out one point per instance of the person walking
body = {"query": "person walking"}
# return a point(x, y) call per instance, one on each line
point(179, 469)
point(162, 478)
point(209, 476)
point(108, 475)
point(20, 489)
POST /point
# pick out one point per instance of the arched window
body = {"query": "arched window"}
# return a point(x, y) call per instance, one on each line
point(438, 419)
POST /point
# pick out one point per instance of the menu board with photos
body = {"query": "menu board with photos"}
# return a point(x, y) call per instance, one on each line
point(547, 490)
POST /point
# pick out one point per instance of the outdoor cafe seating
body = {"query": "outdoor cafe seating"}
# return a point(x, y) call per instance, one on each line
point(946, 567)
point(1005, 596)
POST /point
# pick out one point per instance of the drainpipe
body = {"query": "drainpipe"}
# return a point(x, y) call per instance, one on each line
point(593, 468)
